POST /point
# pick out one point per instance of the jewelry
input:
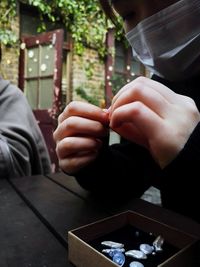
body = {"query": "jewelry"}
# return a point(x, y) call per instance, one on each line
point(116, 251)
point(112, 244)
point(157, 243)
point(119, 258)
point(137, 254)
point(136, 264)
point(146, 248)
point(112, 251)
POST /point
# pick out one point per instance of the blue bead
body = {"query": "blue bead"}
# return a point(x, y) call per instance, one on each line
point(119, 258)
point(113, 251)
point(146, 248)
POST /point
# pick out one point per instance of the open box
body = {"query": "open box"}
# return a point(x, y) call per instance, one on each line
point(131, 228)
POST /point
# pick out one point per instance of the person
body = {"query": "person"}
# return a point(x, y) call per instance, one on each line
point(158, 118)
point(23, 150)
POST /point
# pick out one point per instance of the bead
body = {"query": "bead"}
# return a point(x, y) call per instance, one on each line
point(119, 258)
point(112, 244)
point(136, 264)
point(112, 251)
point(136, 254)
point(158, 242)
point(146, 248)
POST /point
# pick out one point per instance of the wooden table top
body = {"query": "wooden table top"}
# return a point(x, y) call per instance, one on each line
point(37, 212)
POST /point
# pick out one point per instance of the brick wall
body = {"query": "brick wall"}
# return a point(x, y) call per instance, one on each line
point(9, 66)
point(88, 73)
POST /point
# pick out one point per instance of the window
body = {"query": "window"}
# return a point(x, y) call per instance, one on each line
point(126, 68)
point(39, 76)
point(121, 68)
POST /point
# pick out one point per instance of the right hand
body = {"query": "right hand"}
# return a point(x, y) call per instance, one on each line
point(150, 114)
point(81, 126)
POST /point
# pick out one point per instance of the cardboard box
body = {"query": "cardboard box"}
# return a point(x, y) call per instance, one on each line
point(130, 228)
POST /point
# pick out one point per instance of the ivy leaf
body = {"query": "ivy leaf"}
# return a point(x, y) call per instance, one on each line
point(84, 19)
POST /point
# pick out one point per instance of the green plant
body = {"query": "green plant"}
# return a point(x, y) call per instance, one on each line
point(117, 81)
point(7, 14)
point(84, 19)
point(8, 38)
point(90, 99)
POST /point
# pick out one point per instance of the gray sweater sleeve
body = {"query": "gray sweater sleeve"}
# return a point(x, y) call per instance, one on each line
point(6, 161)
point(22, 147)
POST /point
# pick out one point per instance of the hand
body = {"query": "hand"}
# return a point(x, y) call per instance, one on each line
point(78, 135)
point(150, 114)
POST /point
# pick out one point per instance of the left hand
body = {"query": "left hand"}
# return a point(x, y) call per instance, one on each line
point(150, 114)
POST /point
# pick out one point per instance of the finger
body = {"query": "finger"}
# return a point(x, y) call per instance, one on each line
point(74, 164)
point(167, 93)
point(130, 132)
point(86, 110)
point(144, 119)
point(144, 94)
point(76, 146)
point(74, 126)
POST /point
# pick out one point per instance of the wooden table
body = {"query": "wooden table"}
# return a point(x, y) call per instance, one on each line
point(37, 212)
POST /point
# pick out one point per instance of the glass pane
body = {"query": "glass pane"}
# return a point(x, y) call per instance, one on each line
point(30, 22)
point(119, 49)
point(135, 68)
point(46, 94)
point(47, 60)
point(32, 61)
point(31, 92)
point(118, 81)
point(119, 64)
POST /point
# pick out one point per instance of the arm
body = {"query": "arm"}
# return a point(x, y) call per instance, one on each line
point(152, 115)
point(166, 123)
point(84, 153)
point(81, 128)
point(180, 179)
point(120, 172)
point(21, 139)
point(6, 161)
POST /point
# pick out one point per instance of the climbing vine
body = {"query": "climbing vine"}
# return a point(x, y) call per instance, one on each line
point(84, 19)
point(8, 11)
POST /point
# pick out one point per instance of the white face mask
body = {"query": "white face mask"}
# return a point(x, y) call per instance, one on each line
point(168, 43)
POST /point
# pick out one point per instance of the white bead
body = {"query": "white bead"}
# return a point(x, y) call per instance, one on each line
point(136, 254)
point(112, 244)
point(136, 264)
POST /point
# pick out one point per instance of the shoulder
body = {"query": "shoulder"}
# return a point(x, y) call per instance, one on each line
point(6, 87)
point(11, 94)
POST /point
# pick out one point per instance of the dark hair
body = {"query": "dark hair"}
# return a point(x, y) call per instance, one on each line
point(108, 9)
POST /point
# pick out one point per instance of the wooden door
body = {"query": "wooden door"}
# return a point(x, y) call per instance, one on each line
point(40, 79)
